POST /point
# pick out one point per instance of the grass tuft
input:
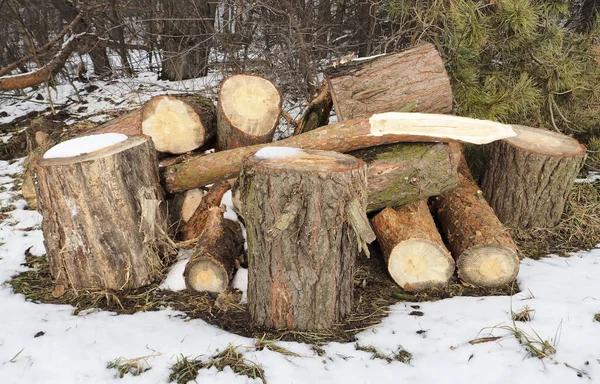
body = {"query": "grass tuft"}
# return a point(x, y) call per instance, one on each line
point(597, 317)
point(524, 315)
point(135, 366)
point(185, 370)
point(400, 354)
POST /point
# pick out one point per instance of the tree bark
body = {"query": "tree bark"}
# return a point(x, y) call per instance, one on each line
point(303, 236)
point(211, 266)
point(529, 177)
point(195, 225)
point(102, 219)
point(182, 206)
point(485, 253)
point(346, 136)
point(248, 112)
point(317, 113)
point(414, 78)
point(413, 250)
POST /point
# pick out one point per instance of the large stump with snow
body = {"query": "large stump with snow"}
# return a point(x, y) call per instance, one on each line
point(304, 214)
point(530, 176)
point(101, 204)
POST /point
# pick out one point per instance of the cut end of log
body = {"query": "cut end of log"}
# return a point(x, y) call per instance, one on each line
point(545, 142)
point(488, 266)
point(206, 275)
point(419, 264)
point(89, 148)
point(453, 128)
point(191, 201)
point(173, 125)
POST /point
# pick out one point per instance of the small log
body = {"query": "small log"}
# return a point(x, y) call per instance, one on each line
point(182, 206)
point(317, 113)
point(176, 124)
point(304, 215)
point(102, 219)
point(530, 176)
point(346, 136)
point(212, 264)
point(413, 250)
point(192, 228)
point(414, 78)
point(485, 253)
point(248, 112)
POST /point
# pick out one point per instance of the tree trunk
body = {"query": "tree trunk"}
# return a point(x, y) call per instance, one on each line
point(195, 225)
point(176, 124)
point(212, 264)
point(398, 174)
point(485, 253)
point(248, 113)
point(301, 216)
point(385, 128)
point(415, 79)
point(413, 250)
point(102, 220)
point(529, 177)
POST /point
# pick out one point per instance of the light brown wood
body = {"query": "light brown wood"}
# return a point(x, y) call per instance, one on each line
point(530, 176)
point(193, 227)
point(248, 111)
point(103, 223)
point(413, 250)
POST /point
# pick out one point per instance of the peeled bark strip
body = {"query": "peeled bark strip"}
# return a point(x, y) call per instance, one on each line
point(102, 215)
point(346, 136)
point(176, 124)
point(193, 227)
point(530, 176)
point(317, 113)
point(415, 77)
point(211, 266)
point(398, 174)
point(485, 253)
point(301, 242)
point(414, 251)
point(248, 113)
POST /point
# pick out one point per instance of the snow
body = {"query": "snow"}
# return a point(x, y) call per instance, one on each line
point(277, 152)
point(82, 145)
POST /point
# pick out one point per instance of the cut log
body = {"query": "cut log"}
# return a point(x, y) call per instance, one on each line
point(398, 174)
point(212, 264)
point(248, 113)
point(182, 206)
point(485, 253)
point(304, 215)
point(103, 224)
point(530, 176)
point(317, 113)
point(346, 136)
point(195, 225)
point(413, 250)
point(44, 142)
point(176, 124)
point(415, 77)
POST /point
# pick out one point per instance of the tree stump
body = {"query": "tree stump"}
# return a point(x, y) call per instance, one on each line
point(530, 176)
point(248, 111)
point(103, 222)
point(302, 210)
point(413, 250)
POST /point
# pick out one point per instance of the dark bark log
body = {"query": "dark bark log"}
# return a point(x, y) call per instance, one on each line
point(317, 113)
point(529, 177)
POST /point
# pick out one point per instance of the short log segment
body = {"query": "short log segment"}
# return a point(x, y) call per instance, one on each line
point(212, 264)
point(530, 176)
point(103, 221)
point(485, 253)
point(300, 215)
point(194, 226)
point(414, 79)
point(413, 250)
point(248, 112)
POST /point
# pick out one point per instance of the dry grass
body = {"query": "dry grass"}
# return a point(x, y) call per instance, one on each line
point(524, 315)
point(401, 354)
point(135, 366)
point(597, 317)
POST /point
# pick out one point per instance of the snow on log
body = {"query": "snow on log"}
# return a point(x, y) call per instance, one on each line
point(413, 250)
point(194, 226)
point(248, 111)
point(304, 215)
point(101, 204)
point(346, 136)
point(415, 79)
point(485, 253)
point(213, 261)
point(530, 176)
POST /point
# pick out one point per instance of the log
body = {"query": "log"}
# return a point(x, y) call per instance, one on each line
point(317, 113)
point(182, 206)
point(176, 124)
point(248, 112)
point(304, 216)
point(195, 225)
point(44, 142)
point(530, 176)
point(346, 136)
point(485, 253)
point(414, 78)
point(102, 219)
point(413, 250)
point(212, 264)
point(398, 174)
